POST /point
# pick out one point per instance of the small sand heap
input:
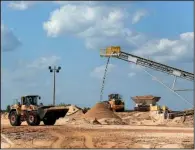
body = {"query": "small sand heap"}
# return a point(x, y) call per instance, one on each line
point(4, 115)
point(188, 121)
point(95, 121)
point(138, 118)
point(101, 112)
point(76, 115)
point(73, 109)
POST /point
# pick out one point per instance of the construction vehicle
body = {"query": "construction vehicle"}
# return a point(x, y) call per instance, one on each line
point(116, 102)
point(142, 107)
point(145, 103)
point(28, 110)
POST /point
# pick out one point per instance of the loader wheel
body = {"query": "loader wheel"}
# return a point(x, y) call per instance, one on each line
point(33, 119)
point(49, 121)
point(14, 119)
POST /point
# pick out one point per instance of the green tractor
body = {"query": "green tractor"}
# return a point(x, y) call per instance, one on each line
point(28, 110)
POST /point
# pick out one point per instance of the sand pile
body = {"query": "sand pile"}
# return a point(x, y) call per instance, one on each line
point(136, 118)
point(4, 115)
point(76, 115)
point(95, 121)
point(103, 114)
point(100, 111)
point(188, 121)
point(153, 118)
point(73, 109)
point(111, 121)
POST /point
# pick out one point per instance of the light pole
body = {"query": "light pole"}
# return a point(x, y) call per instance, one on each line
point(54, 70)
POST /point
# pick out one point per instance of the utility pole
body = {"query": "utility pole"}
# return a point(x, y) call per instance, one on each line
point(54, 70)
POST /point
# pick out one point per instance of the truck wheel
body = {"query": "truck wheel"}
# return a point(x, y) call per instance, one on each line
point(49, 121)
point(33, 119)
point(14, 119)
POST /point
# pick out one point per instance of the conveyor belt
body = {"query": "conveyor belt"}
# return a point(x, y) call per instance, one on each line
point(156, 66)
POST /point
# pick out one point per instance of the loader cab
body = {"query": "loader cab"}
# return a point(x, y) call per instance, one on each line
point(115, 96)
point(30, 100)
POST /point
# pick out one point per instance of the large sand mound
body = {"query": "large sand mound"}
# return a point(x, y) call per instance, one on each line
point(103, 114)
point(100, 111)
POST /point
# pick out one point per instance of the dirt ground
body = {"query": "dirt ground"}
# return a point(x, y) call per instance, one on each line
point(84, 135)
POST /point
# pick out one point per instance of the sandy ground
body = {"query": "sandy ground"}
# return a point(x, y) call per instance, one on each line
point(66, 135)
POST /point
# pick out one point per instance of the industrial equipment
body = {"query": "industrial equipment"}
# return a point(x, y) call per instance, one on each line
point(146, 103)
point(116, 102)
point(115, 51)
point(28, 110)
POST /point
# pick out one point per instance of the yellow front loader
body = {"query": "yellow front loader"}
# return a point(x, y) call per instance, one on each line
point(28, 110)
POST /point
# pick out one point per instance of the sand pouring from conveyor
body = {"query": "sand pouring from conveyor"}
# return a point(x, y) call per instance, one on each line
point(115, 51)
point(104, 78)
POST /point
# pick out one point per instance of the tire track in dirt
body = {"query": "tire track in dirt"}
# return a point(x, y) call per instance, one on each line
point(88, 139)
point(59, 140)
point(8, 141)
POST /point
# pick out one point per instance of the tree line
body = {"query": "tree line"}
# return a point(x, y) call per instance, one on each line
point(7, 109)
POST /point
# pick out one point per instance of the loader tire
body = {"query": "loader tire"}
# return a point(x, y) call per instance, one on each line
point(33, 119)
point(14, 119)
point(49, 121)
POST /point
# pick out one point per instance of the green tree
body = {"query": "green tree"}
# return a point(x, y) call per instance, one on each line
point(8, 108)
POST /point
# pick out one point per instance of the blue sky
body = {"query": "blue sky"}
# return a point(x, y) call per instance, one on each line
point(70, 34)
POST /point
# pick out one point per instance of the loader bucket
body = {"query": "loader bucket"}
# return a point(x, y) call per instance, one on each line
point(57, 112)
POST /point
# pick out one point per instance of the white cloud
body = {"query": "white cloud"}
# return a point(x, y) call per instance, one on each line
point(138, 15)
point(135, 67)
point(98, 72)
point(21, 5)
point(44, 62)
point(102, 25)
point(163, 50)
point(134, 70)
point(75, 2)
point(24, 5)
point(131, 74)
point(9, 41)
point(99, 26)
point(84, 20)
